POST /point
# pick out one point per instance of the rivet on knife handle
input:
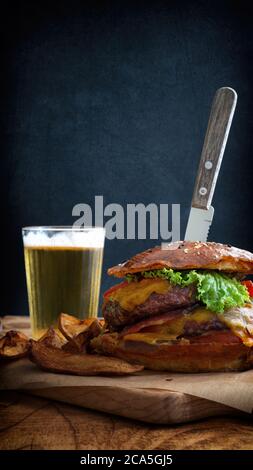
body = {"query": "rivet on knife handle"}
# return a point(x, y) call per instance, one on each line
point(219, 123)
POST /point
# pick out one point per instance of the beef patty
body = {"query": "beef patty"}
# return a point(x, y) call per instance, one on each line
point(193, 328)
point(177, 297)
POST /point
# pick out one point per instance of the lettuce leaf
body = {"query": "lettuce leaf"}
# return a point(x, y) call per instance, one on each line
point(217, 291)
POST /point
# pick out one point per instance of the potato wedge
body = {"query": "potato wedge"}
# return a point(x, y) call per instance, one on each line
point(63, 362)
point(71, 326)
point(95, 328)
point(80, 343)
point(14, 345)
point(72, 347)
point(53, 338)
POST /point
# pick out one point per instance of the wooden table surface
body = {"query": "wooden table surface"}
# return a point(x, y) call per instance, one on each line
point(28, 422)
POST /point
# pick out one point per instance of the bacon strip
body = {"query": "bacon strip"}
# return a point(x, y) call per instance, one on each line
point(157, 320)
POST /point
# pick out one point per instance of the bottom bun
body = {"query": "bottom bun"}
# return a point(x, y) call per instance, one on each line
point(179, 357)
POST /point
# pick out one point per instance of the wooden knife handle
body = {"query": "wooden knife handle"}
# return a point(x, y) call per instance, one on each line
point(219, 123)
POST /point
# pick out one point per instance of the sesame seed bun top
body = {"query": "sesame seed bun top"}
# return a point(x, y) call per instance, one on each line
point(188, 255)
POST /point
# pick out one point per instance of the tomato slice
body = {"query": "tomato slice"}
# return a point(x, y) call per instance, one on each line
point(249, 285)
point(116, 287)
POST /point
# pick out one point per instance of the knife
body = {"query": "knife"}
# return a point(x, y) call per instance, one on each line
point(201, 213)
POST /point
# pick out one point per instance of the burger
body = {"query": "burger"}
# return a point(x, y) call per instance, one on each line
point(185, 307)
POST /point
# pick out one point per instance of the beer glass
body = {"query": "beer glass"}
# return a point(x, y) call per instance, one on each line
point(63, 272)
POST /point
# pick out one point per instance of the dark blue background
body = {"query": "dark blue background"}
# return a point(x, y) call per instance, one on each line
point(112, 99)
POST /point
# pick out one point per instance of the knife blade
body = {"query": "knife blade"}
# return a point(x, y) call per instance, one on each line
point(220, 120)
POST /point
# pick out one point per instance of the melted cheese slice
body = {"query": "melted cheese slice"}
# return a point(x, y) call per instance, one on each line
point(172, 329)
point(238, 320)
point(136, 293)
point(150, 338)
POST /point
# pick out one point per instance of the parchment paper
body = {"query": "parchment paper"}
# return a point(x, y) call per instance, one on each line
point(234, 389)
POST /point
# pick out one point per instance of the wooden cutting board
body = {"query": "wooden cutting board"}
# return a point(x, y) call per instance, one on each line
point(142, 397)
point(149, 406)
point(147, 396)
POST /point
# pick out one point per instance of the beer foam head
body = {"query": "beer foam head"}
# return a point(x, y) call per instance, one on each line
point(86, 238)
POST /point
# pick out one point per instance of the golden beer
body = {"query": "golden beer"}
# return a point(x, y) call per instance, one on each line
point(62, 278)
